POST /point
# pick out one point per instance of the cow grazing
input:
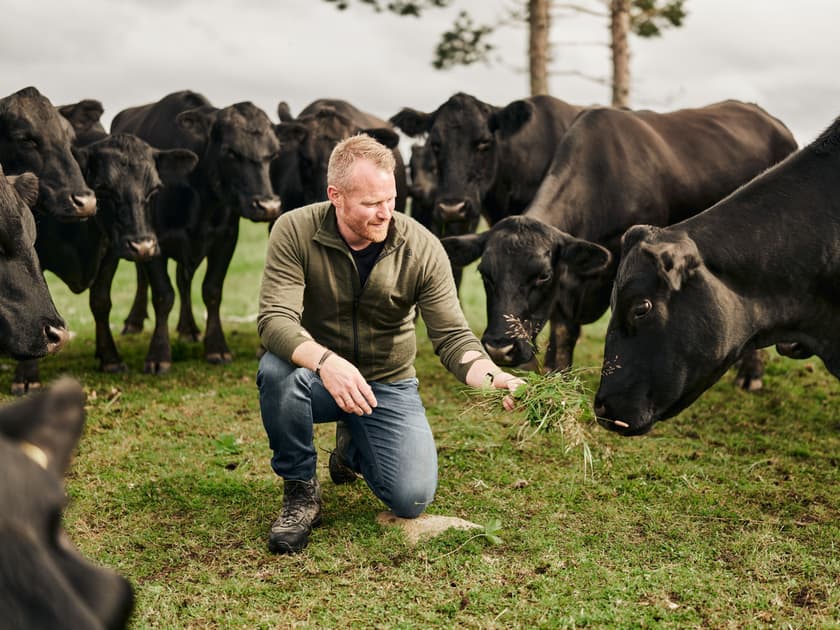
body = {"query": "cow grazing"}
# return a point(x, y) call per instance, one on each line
point(35, 138)
point(125, 173)
point(299, 174)
point(489, 160)
point(761, 267)
point(199, 221)
point(30, 325)
point(44, 581)
point(613, 168)
point(84, 117)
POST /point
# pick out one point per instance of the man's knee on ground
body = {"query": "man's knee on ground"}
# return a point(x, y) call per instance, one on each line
point(410, 500)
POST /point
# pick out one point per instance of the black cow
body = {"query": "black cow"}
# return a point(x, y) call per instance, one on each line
point(761, 267)
point(489, 160)
point(84, 116)
point(235, 146)
point(299, 174)
point(30, 325)
point(422, 187)
point(125, 173)
point(614, 168)
point(34, 137)
point(44, 581)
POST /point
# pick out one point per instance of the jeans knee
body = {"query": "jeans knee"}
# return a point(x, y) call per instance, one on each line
point(411, 500)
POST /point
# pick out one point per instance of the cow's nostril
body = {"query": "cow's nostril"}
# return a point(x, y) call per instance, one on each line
point(56, 337)
point(600, 409)
point(84, 202)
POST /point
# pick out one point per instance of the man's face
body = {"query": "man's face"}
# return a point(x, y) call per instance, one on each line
point(364, 209)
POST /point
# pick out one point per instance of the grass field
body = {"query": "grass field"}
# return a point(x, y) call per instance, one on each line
point(724, 517)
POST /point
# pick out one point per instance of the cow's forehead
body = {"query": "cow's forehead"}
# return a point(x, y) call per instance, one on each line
point(30, 112)
point(637, 273)
point(464, 114)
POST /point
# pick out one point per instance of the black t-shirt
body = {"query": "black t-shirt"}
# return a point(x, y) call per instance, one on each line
point(365, 258)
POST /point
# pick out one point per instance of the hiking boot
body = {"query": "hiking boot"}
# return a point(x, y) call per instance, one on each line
point(301, 512)
point(340, 472)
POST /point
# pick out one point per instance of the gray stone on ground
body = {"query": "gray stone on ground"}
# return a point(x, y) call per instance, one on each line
point(424, 526)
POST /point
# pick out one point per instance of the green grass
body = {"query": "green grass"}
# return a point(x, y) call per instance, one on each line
point(724, 517)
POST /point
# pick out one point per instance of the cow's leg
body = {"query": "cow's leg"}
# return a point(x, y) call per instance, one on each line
point(562, 338)
point(751, 370)
point(139, 308)
point(27, 377)
point(215, 346)
point(187, 328)
point(100, 305)
point(457, 274)
point(159, 356)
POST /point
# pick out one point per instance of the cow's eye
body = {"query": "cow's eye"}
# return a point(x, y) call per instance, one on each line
point(482, 145)
point(544, 277)
point(153, 192)
point(642, 308)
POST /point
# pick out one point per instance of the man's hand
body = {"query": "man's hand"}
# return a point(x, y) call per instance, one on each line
point(503, 380)
point(347, 386)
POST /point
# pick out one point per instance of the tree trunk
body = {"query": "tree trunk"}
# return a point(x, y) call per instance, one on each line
point(619, 30)
point(538, 48)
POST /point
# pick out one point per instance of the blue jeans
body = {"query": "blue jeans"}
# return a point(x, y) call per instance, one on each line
point(392, 448)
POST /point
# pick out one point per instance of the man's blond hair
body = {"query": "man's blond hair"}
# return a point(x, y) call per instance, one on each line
point(347, 152)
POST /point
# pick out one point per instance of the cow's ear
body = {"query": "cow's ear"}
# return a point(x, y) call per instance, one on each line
point(291, 133)
point(462, 250)
point(676, 261)
point(284, 114)
point(26, 185)
point(88, 112)
point(174, 165)
point(635, 234)
point(50, 422)
point(412, 122)
point(197, 121)
point(511, 118)
point(383, 135)
point(585, 257)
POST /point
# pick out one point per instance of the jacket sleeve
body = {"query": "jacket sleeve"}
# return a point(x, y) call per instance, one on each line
point(281, 290)
point(446, 323)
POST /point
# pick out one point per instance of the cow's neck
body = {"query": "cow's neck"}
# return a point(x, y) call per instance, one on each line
point(773, 245)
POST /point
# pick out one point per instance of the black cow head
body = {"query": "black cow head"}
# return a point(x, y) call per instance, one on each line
point(299, 173)
point(668, 339)
point(30, 326)
point(464, 136)
point(84, 117)
point(126, 173)
point(532, 272)
point(239, 145)
point(44, 581)
point(34, 137)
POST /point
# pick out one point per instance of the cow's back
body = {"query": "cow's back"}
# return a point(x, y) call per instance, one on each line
point(156, 122)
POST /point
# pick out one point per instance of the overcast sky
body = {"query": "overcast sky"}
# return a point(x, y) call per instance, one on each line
point(781, 54)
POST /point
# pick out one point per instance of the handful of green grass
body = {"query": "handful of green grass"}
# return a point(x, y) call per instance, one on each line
point(555, 401)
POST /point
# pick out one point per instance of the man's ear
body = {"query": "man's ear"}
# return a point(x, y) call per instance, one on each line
point(462, 250)
point(676, 261)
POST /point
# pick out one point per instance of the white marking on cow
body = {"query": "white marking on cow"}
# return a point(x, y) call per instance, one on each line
point(35, 453)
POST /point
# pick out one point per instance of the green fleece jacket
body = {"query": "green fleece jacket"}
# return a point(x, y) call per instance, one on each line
point(311, 290)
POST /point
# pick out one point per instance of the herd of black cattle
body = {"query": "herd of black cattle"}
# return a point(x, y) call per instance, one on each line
point(704, 230)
